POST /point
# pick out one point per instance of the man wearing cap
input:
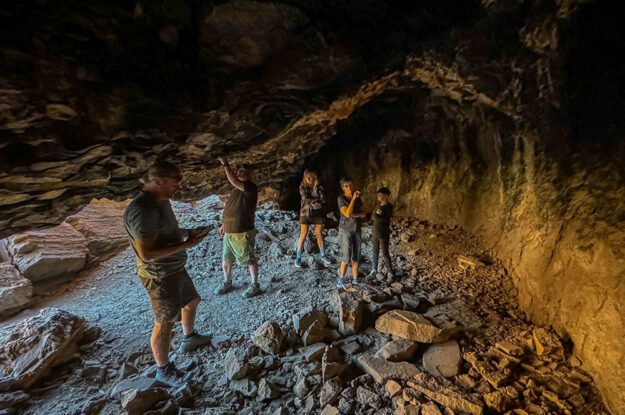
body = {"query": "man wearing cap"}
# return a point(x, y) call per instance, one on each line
point(238, 229)
point(160, 246)
point(381, 233)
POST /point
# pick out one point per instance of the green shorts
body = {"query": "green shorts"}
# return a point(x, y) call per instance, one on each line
point(240, 247)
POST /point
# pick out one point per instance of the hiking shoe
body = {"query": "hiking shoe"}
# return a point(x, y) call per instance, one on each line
point(340, 283)
point(325, 260)
point(354, 281)
point(189, 344)
point(390, 277)
point(298, 262)
point(223, 288)
point(252, 290)
point(172, 376)
point(372, 274)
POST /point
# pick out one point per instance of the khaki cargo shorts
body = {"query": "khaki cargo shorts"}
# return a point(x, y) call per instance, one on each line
point(169, 294)
point(239, 247)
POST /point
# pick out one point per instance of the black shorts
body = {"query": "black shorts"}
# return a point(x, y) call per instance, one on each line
point(311, 220)
point(169, 294)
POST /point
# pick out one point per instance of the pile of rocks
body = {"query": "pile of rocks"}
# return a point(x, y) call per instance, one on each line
point(58, 253)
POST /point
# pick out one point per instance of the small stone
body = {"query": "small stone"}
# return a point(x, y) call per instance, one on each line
point(313, 352)
point(306, 317)
point(382, 370)
point(366, 397)
point(267, 391)
point(268, 337)
point(136, 383)
point(510, 348)
point(411, 301)
point(236, 364)
point(430, 409)
point(442, 359)
point(445, 396)
point(330, 410)
point(393, 388)
point(547, 343)
point(496, 401)
point(314, 334)
point(137, 402)
point(332, 363)
point(397, 350)
point(351, 347)
point(496, 377)
point(245, 387)
point(330, 392)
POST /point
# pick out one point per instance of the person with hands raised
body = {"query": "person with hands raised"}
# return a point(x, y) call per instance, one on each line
point(351, 216)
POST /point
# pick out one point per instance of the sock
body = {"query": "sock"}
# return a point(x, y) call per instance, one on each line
point(188, 336)
point(299, 254)
point(322, 252)
point(162, 369)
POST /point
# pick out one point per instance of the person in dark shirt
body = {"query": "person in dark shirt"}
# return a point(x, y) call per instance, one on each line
point(381, 217)
point(238, 229)
point(350, 207)
point(311, 213)
point(160, 246)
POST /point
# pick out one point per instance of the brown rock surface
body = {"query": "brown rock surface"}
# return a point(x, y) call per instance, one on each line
point(351, 309)
point(268, 337)
point(446, 396)
point(442, 359)
point(101, 222)
point(382, 370)
point(48, 253)
point(31, 348)
point(397, 350)
point(412, 326)
point(15, 290)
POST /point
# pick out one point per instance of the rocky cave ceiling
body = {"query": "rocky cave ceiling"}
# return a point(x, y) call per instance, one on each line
point(92, 92)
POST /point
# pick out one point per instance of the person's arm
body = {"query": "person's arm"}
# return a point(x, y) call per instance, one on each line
point(322, 195)
point(304, 195)
point(231, 175)
point(147, 250)
point(349, 209)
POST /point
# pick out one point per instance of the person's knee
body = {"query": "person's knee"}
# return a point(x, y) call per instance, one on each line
point(192, 304)
point(164, 329)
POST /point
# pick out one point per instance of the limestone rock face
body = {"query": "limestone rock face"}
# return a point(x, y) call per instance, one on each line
point(15, 290)
point(411, 326)
point(101, 222)
point(48, 253)
point(32, 347)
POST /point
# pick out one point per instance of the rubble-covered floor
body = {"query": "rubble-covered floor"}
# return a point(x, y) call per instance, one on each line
point(498, 367)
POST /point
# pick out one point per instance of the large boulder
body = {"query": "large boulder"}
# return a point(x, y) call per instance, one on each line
point(268, 337)
point(443, 359)
point(101, 222)
point(15, 290)
point(412, 326)
point(48, 253)
point(32, 347)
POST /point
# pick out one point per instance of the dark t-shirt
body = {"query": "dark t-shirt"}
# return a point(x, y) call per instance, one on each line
point(351, 223)
point(382, 220)
point(240, 210)
point(147, 217)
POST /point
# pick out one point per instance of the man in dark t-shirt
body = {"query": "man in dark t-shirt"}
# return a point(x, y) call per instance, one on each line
point(160, 245)
point(381, 217)
point(238, 228)
point(350, 208)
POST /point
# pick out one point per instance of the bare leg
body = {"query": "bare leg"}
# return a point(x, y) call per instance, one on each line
point(354, 269)
point(160, 340)
point(343, 269)
point(319, 234)
point(253, 272)
point(188, 316)
point(303, 231)
point(227, 267)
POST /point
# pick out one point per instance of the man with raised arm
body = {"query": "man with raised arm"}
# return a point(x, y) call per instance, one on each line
point(160, 245)
point(238, 230)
